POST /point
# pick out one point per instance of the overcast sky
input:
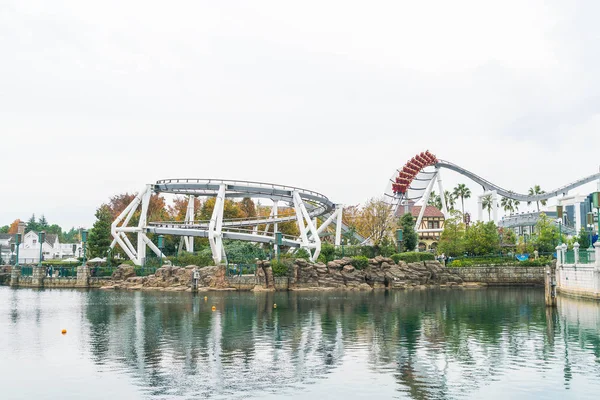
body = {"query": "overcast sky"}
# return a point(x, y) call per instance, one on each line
point(99, 98)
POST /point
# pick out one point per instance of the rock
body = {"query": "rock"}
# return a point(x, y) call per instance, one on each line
point(348, 269)
point(213, 277)
point(123, 272)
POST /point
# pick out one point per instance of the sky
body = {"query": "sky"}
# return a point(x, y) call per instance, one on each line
point(101, 98)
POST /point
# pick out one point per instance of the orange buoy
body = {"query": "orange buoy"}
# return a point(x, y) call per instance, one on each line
point(64, 331)
point(214, 308)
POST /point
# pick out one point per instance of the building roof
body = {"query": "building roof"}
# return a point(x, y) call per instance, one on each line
point(430, 211)
point(7, 236)
point(51, 238)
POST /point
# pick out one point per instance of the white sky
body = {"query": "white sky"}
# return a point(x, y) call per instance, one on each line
point(98, 98)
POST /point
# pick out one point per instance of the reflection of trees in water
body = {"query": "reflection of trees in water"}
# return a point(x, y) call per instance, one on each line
point(438, 344)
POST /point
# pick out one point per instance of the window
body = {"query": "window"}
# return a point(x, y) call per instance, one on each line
point(34, 241)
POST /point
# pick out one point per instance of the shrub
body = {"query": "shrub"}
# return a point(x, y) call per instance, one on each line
point(199, 259)
point(460, 263)
point(412, 256)
point(302, 253)
point(280, 268)
point(360, 262)
point(327, 253)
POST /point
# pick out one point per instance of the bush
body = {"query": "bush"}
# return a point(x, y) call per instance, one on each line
point(200, 259)
point(280, 268)
point(327, 253)
point(302, 253)
point(411, 256)
point(360, 262)
point(460, 263)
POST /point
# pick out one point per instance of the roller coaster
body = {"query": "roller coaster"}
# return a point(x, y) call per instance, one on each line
point(409, 185)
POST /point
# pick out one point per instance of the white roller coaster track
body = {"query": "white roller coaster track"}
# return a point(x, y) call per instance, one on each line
point(489, 186)
point(307, 206)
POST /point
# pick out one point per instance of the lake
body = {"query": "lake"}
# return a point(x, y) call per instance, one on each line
point(495, 343)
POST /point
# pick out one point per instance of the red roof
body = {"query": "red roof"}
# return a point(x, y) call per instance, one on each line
point(430, 211)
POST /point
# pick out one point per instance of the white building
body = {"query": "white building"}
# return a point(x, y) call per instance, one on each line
point(29, 249)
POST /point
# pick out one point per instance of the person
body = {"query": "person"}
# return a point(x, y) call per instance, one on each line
point(535, 254)
point(444, 259)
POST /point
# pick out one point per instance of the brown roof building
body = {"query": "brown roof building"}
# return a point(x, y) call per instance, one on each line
point(433, 219)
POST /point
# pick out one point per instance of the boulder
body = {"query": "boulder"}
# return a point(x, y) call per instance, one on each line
point(123, 272)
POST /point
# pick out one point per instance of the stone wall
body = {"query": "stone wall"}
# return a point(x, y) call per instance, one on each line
point(578, 280)
point(501, 274)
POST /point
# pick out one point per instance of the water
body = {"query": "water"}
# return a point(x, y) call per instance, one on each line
point(491, 343)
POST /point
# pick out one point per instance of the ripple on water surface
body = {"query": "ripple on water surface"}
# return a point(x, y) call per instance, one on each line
point(494, 343)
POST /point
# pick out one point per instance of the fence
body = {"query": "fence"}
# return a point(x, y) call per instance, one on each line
point(585, 257)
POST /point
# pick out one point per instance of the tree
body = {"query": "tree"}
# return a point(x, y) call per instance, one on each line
point(583, 239)
point(463, 192)
point(507, 236)
point(4, 229)
point(508, 205)
point(14, 227)
point(547, 234)
point(536, 190)
point(230, 209)
point(32, 224)
point(482, 238)
point(376, 221)
point(100, 238)
point(434, 200)
point(178, 209)
point(487, 202)
point(247, 208)
point(451, 241)
point(450, 200)
point(409, 236)
point(42, 223)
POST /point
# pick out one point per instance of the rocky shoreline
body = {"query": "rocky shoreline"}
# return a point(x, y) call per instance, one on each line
point(380, 273)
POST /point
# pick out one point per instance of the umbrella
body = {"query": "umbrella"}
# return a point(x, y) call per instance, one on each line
point(70, 260)
point(97, 260)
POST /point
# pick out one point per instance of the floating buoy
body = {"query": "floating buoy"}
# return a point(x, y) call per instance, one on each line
point(64, 331)
point(274, 305)
point(214, 308)
point(205, 298)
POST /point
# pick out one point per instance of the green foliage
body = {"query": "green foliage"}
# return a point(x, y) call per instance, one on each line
point(360, 262)
point(524, 248)
point(4, 229)
point(410, 257)
point(482, 238)
point(583, 239)
point(508, 236)
point(281, 267)
point(201, 259)
point(409, 236)
point(547, 234)
point(243, 252)
point(452, 240)
point(100, 238)
point(460, 263)
point(327, 253)
point(471, 261)
point(302, 253)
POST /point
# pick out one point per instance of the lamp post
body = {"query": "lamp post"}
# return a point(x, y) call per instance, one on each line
point(17, 244)
point(41, 238)
point(279, 241)
point(399, 239)
point(84, 234)
point(161, 243)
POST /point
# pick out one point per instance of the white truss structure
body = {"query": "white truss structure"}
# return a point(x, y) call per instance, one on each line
point(308, 207)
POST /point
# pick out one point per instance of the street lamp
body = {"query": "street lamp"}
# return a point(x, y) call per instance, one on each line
point(17, 244)
point(84, 234)
point(559, 221)
point(41, 239)
point(161, 243)
point(398, 240)
point(279, 241)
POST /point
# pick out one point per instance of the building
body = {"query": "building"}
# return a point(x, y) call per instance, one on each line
point(431, 227)
point(52, 249)
point(6, 241)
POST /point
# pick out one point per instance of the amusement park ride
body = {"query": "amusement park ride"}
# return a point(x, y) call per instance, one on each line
point(412, 184)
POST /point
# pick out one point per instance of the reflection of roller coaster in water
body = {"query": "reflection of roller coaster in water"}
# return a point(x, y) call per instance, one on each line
point(413, 183)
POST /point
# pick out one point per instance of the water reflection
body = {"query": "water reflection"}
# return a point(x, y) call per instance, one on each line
point(429, 344)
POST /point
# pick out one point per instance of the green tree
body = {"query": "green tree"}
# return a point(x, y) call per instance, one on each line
point(507, 237)
point(452, 239)
point(482, 238)
point(434, 200)
point(533, 191)
point(450, 200)
point(508, 205)
point(462, 192)
point(42, 223)
point(583, 239)
point(547, 234)
point(32, 224)
point(100, 238)
point(409, 236)
point(4, 229)
point(487, 202)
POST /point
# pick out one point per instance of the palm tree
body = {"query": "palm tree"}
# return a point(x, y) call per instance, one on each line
point(508, 204)
point(462, 192)
point(450, 200)
point(516, 204)
point(434, 200)
point(535, 191)
point(486, 203)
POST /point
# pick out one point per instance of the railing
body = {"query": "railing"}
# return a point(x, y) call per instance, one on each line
point(585, 257)
point(26, 271)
